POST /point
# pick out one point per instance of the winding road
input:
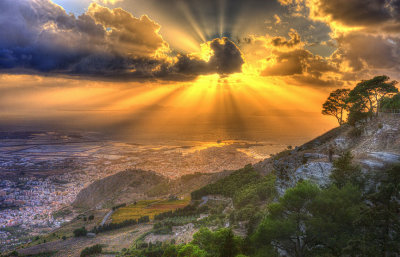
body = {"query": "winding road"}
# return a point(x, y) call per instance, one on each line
point(108, 215)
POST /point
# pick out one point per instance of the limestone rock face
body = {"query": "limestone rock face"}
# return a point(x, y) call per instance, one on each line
point(316, 172)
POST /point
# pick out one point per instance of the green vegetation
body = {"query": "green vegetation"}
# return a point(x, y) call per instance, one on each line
point(80, 232)
point(350, 217)
point(336, 221)
point(221, 243)
point(365, 99)
point(113, 226)
point(309, 221)
point(89, 251)
point(189, 210)
point(229, 185)
point(336, 104)
point(390, 103)
point(255, 192)
point(344, 171)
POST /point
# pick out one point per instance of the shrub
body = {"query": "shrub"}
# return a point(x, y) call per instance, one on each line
point(144, 219)
point(95, 249)
point(390, 103)
point(355, 132)
point(13, 254)
point(80, 232)
point(112, 226)
point(346, 172)
point(356, 117)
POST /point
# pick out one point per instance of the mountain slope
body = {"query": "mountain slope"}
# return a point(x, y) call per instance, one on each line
point(133, 185)
point(114, 189)
point(373, 145)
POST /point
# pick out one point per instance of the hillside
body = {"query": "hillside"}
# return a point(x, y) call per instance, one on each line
point(114, 189)
point(374, 145)
point(133, 185)
point(290, 205)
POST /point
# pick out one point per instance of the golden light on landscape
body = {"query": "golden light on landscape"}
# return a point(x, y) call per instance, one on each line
point(189, 128)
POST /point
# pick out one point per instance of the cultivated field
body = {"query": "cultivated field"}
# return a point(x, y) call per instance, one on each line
point(147, 208)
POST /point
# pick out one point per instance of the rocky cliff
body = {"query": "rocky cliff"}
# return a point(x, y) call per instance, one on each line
point(374, 145)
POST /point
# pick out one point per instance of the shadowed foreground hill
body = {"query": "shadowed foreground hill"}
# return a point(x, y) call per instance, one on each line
point(132, 185)
point(107, 190)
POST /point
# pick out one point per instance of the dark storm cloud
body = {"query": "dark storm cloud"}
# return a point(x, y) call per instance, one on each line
point(360, 12)
point(384, 14)
point(226, 59)
point(37, 36)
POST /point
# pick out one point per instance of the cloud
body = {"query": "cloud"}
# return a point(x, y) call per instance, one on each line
point(358, 12)
point(299, 61)
point(277, 19)
point(358, 56)
point(112, 2)
point(288, 60)
point(368, 52)
point(302, 68)
point(294, 40)
point(365, 35)
point(127, 34)
point(226, 59)
point(371, 15)
point(37, 36)
point(287, 63)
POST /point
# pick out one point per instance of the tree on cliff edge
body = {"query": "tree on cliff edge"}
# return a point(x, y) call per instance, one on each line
point(336, 105)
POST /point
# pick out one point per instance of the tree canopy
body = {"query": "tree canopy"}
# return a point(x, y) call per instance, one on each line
point(336, 105)
point(360, 103)
point(368, 93)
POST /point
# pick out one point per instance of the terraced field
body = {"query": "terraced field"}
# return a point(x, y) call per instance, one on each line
point(147, 208)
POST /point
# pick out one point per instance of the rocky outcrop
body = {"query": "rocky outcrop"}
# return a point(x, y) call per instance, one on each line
point(374, 145)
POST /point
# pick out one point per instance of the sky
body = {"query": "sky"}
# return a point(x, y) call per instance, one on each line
point(217, 69)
